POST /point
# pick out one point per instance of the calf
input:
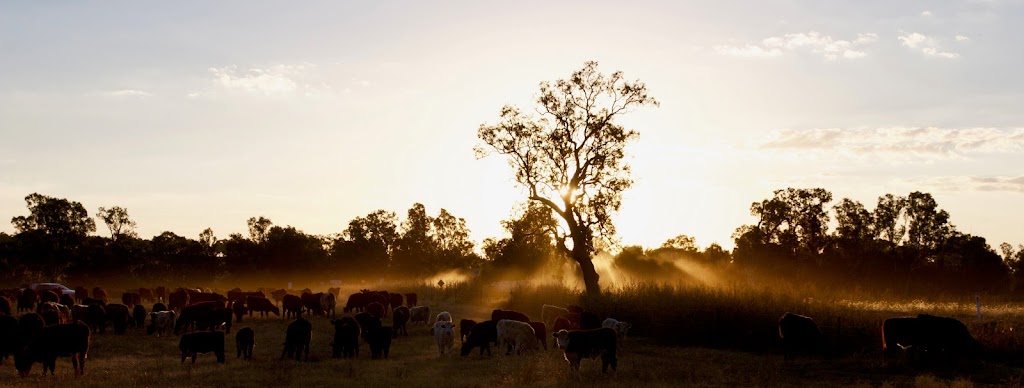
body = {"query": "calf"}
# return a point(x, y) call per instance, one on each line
point(799, 334)
point(580, 344)
point(192, 344)
point(399, 319)
point(261, 305)
point(245, 340)
point(419, 314)
point(444, 335)
point(161, 322)
point(346, 338)
point(297, 338)
point(69, 339)
point(516, 336)
point(482, 335)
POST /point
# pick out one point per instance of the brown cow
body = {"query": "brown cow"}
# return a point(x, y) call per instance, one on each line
point(292, 306)
point(410, 299)
point(99, 293)
point(71, 339)
point(146, 295)
point(131, 299)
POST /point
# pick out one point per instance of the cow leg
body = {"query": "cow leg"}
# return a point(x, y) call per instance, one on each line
point(607, 359)
point(183, 357)
point(194, 358)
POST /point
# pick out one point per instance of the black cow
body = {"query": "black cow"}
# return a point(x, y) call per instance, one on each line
point(139, 315)
point(367, 323)
point(400, 319)
point(9, 338)
point(192, 344)
point(380, 342)
point(203, 315)
point(158, 307)
point(245, 340)
point(482, 335)
point(356, 302)
point(97, 318)
point(465, 327)
point(119, 317)
point(292, 306)
point(48, 343)
point(261, 305)
point(928, 337)
point(580, 344)
point(311, 302)
point(346, 338)
point(297, 338)
point(799, 334)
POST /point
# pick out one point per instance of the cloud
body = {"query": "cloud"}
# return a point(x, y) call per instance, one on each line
point(824, 45)
point(927, 45)
point(275, 80)
point(975, 183)
point(905, 141)
point(127, 93)
point(961, 38)
point(926, 13)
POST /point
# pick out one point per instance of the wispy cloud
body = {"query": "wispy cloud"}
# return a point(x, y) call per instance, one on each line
point(824, 45)
point(127, 93)
point(974, 183)
point(927, 14)
point(961, 38)
point(907, 141)
point(927, 45)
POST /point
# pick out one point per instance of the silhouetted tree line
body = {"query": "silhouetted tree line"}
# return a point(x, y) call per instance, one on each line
point(905, 244)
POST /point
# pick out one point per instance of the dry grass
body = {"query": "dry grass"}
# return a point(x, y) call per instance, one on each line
point(718, 336)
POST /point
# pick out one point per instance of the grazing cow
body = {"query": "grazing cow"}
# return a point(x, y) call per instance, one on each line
point(541, 330)
point(548, 313)
point(146, 295)
point(66, 300)
point(367, 323)
point(419, 314)
point(99, 293)
point(929, 336)
point(27, 300)
point(139, 315)
point(97, 318)
point(376, 309)
point(178, 299)
point(239, 309)
point(327, 303)
point(465, 326)
point(245, 340)
point(119, 317)
point(192, 344)
point(561, 323)
point(580, 344)
point(81, 293)
point(399, 319)
point(346, 338)
point(444, 335)
point(69, 339)
point(395, 300)
point(5, 305)
point(498, 315)
point(482, 335)
point(410, 300)
point(261, 305)
point(9, 338)
point(49, 296)
point(356, 302)
point(292, 306)
point(160, 293)
point(162, 322)
point(278, 295)
point(158, 307)
point(311, 302)
point(131, 299)
point(443, 316)
point(516, 336)
point(297, 338)
point(621, 328)
point(380, 342)
point(799, 334)
point(203, 315)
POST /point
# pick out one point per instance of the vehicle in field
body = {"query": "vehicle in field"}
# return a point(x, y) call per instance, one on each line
point(55, 287)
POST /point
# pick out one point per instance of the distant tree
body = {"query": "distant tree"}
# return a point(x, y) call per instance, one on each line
point(258, 229)
point(927, 225)
point(571, 158)
point(715, 255)
point(209, 241)
point(453, 246)
point(55, 217)
point(288, 250)
point(530, 244)
point(414, 249)
point(887, 218)
point(367, 243)
point(117, 221)
point(682, 242)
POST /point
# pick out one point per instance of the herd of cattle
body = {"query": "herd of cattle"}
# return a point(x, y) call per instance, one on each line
point(52, 326)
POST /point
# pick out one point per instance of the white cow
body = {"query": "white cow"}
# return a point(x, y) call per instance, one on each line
point(548, 314)
point(620, 328)
point(162, 322)
point(444, 334)
point(444, 316)
point(519, 336)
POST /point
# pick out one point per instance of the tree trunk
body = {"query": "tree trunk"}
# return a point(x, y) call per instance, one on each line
point(590, 276)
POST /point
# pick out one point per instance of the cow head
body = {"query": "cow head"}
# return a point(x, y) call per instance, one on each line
point(622, 328)
point(561, 338)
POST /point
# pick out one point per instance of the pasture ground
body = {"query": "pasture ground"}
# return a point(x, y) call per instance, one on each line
point(136, 359)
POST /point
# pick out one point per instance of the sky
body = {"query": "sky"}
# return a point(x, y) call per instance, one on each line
point(195, 114)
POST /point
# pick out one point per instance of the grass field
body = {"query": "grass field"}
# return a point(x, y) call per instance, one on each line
point(139, 360)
